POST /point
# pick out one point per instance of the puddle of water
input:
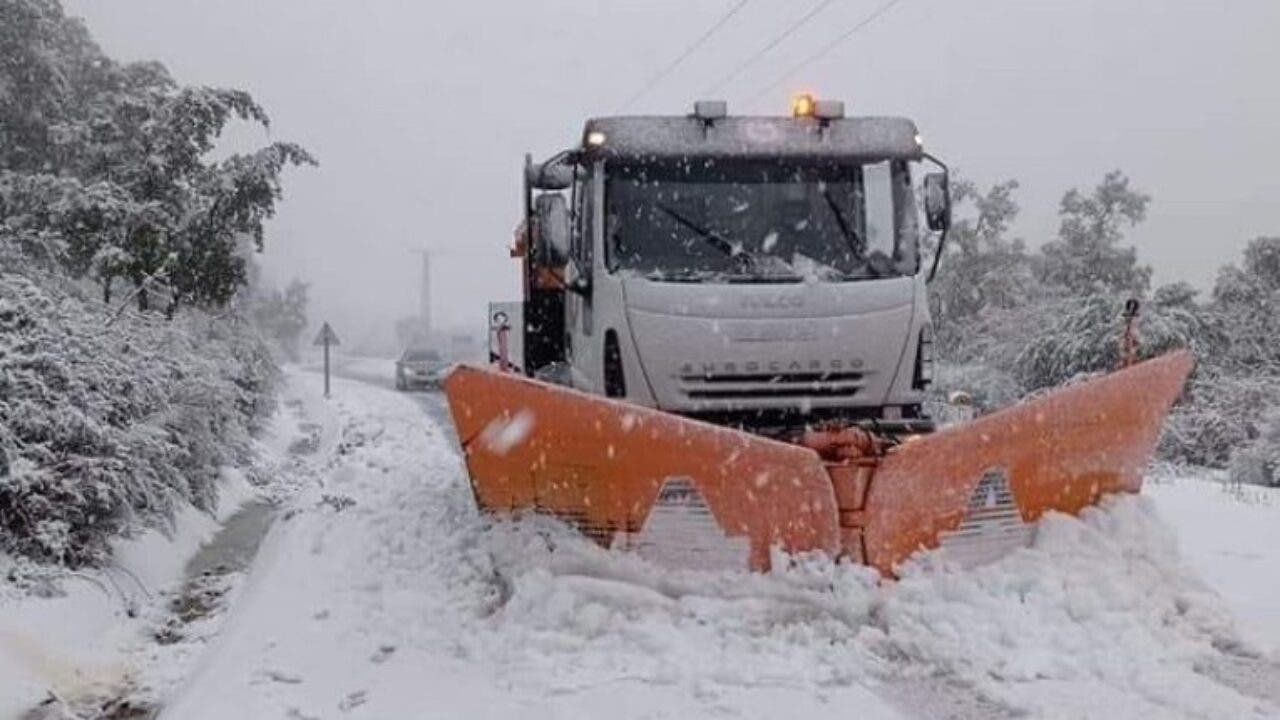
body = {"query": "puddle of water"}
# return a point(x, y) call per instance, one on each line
point(203, 591)
point(235, 546)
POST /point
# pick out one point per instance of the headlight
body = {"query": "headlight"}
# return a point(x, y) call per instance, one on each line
point(924, 359)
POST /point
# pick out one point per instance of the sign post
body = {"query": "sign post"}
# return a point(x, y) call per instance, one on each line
point(327, 337)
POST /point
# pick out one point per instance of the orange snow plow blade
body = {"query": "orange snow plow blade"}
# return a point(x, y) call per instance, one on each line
point(601, 465)
point(699, 495)
point(1060, 452)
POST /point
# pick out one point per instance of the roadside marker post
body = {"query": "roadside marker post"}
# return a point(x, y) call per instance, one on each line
point(327, 337)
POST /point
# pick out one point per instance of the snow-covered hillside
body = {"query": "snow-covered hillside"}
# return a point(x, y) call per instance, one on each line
point(382, 593)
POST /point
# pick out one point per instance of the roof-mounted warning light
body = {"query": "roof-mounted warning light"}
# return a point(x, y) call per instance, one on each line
point(828, 109)
point(802, 105)
point(710, 110)
point(805, 105)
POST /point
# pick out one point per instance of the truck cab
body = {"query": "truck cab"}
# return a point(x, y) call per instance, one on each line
point(758, 272)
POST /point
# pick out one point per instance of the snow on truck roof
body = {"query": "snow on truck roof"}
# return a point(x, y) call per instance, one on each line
point(658, 137)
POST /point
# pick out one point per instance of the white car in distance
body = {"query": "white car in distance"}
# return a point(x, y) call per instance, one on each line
point(419, 368)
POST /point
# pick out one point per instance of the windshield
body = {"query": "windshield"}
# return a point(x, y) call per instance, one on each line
point(706, 219)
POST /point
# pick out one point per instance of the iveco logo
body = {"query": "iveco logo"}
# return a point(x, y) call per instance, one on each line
point(773, 302)
point(754, 332)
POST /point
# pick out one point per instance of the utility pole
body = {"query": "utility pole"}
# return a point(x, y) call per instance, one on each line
point(425, 315)
point(424, 299)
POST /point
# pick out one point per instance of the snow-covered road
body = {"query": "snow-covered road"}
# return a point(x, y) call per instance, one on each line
point(383, 594)
point(1231, 537)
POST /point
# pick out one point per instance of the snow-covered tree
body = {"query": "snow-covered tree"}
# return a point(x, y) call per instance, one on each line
point(109, 419)
point(104, 167)
point(1086, 258)
point(282, 316)
point(1248, 298)
point(982, 269)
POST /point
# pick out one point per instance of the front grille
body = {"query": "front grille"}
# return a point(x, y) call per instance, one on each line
point(785, 378)
point(771, 386)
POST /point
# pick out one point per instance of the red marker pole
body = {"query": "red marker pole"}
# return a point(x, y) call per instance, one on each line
point(1129, 341)
point(503, 330)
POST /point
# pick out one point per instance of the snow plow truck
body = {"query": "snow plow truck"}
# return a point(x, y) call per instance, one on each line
point(724, 349)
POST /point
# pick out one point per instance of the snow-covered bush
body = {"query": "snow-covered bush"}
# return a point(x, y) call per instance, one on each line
point(107, 419)
point(1258, 463)
point(281, 315)
point(109, 175)
point(1219, 413)
point(1082, 334)
point(1012, 322)
point(1252, 465)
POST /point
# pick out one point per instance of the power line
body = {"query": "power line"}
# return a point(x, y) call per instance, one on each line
point(671, 66)
point(875, 14)
point(775, 42)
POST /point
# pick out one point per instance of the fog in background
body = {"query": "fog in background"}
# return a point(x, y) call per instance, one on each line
point(420, 112)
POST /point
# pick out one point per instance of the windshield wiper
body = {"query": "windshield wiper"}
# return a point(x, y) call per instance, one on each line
point(713, 239)
point(851, 237)
point(855, 243)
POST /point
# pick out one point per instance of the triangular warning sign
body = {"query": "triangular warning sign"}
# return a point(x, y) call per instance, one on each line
point(327, 336)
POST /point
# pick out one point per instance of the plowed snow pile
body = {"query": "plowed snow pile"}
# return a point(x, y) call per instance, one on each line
point(1100, 617)
point(386, 595)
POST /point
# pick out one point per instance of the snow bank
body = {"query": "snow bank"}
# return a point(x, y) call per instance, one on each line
point(1230, 534)
point(1100, 617)
point(1100, 614)
point(87, 636)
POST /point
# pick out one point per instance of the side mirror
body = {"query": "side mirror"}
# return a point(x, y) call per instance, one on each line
point(554, 174)
point(937, 201)
point(552, 228)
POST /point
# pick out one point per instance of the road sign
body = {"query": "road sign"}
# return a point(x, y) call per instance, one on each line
point(328, 338)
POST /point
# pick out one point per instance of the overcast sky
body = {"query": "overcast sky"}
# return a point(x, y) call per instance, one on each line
point(420, 111)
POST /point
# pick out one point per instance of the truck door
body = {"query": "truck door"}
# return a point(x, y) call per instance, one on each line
point(579, 307)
